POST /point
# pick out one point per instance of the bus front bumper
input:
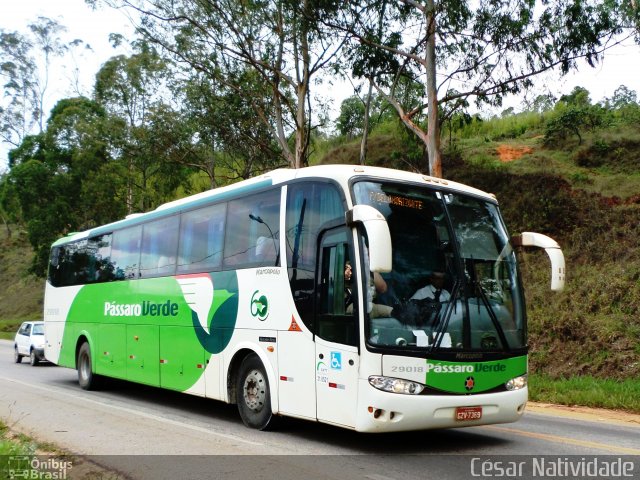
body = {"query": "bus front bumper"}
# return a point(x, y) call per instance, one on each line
point(380, 411)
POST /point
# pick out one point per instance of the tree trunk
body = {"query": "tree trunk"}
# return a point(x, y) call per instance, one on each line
point(301, 127)
point(302, 132)
point(433, 125)
point(130, 188)
point(365, 127)
point(6, 225)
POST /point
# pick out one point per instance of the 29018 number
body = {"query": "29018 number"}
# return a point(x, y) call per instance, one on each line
point(409, 369)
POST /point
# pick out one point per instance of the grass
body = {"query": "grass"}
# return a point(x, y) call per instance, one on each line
point(18, 452)
point(586, 391)
point(10, 445)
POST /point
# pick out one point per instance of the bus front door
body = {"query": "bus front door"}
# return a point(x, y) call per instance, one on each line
point(336, 332)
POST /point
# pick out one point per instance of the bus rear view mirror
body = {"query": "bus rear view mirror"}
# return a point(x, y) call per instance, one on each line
point(378, 233)
point(558, 271)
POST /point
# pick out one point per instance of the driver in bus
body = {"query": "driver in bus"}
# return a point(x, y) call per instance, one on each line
point(434, 290)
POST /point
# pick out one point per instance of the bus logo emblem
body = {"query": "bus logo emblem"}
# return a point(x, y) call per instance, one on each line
point(259, 306)
point(469, 383)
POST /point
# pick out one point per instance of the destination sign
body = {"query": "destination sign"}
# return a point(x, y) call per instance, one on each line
point(379, 197)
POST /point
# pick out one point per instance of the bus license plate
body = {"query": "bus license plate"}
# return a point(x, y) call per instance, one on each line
point(464, 414)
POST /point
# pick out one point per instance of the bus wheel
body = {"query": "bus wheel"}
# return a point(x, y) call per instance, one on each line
point(254, 401)
point(16, 356)
point(86, 378)
point(33, 359)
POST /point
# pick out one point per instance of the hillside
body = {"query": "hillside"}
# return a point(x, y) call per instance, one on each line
point(21, 294)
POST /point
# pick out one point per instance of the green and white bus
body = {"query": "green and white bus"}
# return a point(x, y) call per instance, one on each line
point(368, 298)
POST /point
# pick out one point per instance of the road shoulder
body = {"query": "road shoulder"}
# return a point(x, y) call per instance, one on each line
point(586, 413)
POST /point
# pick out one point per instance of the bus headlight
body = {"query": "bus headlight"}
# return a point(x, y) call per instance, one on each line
point(517, 383)
point(395, 385)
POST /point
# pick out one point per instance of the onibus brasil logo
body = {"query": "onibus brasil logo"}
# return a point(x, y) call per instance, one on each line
point(259, 306)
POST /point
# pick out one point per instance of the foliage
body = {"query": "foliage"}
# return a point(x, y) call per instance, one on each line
point(20, 111)
point(569, 121)
point(26, 80)
point(350, 122)
point(221, 137)
point(45, 210)
point(573, 114)
point(131, 90)
point(284, 44)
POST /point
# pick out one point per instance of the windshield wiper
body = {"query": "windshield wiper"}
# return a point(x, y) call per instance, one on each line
point(444, 319)
point(492, 314)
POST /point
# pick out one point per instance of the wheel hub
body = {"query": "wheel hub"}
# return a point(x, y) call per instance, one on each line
point(253, 390)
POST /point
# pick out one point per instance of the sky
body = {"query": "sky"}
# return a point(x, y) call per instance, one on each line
point(620, 66)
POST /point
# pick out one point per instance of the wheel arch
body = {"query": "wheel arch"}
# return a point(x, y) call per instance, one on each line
point(84, 337)
point(233, 370)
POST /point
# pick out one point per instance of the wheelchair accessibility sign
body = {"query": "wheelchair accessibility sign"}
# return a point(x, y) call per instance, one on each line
point(336, 361)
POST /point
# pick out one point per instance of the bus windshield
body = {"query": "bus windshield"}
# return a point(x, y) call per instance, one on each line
point(454, 284)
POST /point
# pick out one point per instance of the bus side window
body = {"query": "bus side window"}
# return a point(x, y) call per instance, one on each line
point(100, 249)
point(125, 253)
point(159, 247)
point(73, 265)
point(201, 239)
point(310, 205)
point(252, 236)
point(55, 260)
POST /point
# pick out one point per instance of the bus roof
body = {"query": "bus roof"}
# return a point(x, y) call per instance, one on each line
point(342, 174)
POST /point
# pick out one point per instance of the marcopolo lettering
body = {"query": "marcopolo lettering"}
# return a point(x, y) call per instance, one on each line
point(146, 309)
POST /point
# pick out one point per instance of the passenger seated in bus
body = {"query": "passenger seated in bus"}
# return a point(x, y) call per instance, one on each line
point(377, 284)
point(348, 287)
point(266, 252)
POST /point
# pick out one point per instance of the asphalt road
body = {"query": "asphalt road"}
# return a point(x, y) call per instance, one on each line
point(142, 432)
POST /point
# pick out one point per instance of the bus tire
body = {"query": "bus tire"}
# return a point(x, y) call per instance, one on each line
point(33, 358)
point(86, 378)
point(254, 399)
point(16, 356)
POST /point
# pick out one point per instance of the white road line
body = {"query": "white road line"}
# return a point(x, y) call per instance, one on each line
point(134, 412)
point(376, 476)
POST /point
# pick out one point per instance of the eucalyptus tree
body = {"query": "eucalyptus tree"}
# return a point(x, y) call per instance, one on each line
point(19, 108)
point(482, 50)
point(283, 41)
point(134, 92)
point(46, 33)
point(25, 61)
point(220, 135)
